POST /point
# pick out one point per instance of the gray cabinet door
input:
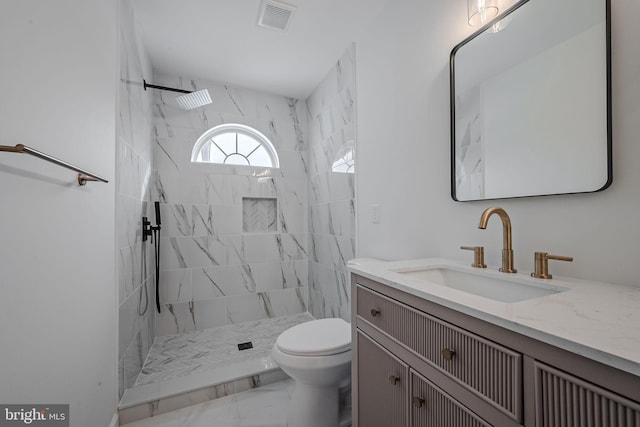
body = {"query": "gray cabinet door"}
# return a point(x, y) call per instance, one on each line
point(432, 407)
point(563, 400)
point(383, 383)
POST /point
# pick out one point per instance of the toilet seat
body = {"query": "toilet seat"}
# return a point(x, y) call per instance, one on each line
point(323, 337)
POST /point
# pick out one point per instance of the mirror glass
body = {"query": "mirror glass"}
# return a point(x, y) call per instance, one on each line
point(530, 104)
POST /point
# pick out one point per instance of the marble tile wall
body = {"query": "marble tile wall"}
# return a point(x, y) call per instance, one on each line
point(212, 272)
point(470, 177)
point(332, 134)
point(134, 165)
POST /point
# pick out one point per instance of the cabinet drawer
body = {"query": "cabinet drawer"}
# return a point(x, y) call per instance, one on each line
point(489, 370)
point(563, 400)
point(430, 406)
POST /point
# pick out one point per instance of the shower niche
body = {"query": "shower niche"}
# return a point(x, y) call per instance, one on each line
point(259, 215)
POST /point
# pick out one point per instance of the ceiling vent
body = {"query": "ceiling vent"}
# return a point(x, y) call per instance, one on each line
point(275, 15)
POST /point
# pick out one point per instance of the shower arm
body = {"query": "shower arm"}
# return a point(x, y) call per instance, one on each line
point(189, 99)
point(146, 85)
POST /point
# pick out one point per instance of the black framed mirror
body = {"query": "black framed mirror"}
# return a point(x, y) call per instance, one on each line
point(531, 103)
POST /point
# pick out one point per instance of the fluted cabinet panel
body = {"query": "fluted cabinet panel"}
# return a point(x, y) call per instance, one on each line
point(490, 370)
point(563, 400)
point(382, 386)
point(432, 407)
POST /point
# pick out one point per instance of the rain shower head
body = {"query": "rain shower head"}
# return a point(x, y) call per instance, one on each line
point(189, 100)
point(195, 99)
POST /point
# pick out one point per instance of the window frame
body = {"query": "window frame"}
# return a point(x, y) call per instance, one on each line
point(346, 152)
point(237, 128)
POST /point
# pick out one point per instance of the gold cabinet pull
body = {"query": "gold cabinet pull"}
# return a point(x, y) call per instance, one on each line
point(478, 255)
point(393, 379)
point(541, 261)
point(447, 353)
point(417, 402)
point(375, 312)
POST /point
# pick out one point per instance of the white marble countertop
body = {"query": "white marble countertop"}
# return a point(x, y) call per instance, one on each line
point(600, 321)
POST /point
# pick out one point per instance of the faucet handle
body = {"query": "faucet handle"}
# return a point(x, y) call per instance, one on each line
point(541, 260)
point(478, 255)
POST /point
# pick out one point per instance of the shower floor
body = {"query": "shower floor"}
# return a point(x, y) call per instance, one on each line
point(193, 367)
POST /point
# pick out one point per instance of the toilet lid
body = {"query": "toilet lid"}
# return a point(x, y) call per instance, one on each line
point(321, 337)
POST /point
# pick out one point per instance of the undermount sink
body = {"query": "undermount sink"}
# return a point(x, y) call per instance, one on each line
point(506, 289)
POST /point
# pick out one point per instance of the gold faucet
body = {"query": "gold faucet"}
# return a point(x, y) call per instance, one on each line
point(507, 251)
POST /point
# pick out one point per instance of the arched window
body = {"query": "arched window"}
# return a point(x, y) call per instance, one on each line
point(344, 162)
point(235, 144)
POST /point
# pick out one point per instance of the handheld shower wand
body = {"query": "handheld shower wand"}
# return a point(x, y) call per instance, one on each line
point(157, 230)
point(157, 208)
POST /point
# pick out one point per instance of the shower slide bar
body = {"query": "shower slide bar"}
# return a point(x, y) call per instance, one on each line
point(83, 175)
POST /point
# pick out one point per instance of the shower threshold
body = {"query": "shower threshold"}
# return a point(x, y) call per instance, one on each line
point(194, 367)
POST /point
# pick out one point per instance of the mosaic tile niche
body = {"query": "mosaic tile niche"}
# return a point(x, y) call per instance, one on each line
point(259, 215)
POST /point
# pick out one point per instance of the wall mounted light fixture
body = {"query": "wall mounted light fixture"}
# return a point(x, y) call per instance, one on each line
point(481, 11)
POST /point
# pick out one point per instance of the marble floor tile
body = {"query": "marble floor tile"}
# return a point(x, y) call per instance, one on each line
point(180, 367)
point(261, 407)
point(190, 368)
point(193, 353)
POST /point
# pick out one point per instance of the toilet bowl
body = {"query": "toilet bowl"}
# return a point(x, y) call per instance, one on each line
point(317, 355)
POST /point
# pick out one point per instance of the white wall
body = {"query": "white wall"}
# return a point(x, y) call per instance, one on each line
point(57, 240)
point(403, 156)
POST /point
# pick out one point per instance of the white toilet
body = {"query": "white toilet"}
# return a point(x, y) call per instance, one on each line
point(317, 355)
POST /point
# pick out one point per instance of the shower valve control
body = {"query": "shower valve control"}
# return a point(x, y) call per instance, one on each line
point(148, 229)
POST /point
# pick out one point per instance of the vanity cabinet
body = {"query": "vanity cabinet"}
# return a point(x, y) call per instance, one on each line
point(563, 400)
point(417, 363)
point(385, 386)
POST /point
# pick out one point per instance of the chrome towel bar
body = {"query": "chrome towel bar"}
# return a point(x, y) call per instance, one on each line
point(83, 175)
